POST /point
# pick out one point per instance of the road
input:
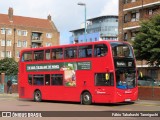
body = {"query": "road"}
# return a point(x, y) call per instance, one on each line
point(60, 110)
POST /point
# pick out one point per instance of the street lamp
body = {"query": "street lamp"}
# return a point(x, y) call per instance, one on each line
point(83, 4)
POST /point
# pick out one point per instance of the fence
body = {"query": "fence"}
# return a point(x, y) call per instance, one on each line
point(13, 78)
point(1, 85)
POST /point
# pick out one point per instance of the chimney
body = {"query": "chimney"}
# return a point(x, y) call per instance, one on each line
point(10, 14)
point(49, 17)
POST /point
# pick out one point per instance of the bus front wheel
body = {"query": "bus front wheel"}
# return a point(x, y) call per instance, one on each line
point(86, 98)
point(37, 96)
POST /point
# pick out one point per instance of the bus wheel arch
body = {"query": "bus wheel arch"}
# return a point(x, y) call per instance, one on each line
point(86, 97)
point(37, 95)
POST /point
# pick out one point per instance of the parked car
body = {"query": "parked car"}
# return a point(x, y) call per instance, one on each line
point(146, 81)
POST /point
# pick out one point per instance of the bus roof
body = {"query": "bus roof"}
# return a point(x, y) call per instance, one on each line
point(68, 45)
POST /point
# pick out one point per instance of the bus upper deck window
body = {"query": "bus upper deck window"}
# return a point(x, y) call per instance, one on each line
point(47, 55)
point(71, 53)
point(57, 54)
point(100, 50)
point(38, 55)
point(27, 56)
point(85, 51)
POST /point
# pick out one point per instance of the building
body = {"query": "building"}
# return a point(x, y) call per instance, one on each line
point(18, 32)
point(131, 12)
point(98, 28)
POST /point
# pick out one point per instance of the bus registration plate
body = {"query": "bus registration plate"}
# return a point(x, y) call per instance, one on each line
point(127, 100)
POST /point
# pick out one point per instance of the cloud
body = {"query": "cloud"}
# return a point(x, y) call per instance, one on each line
point(110, 8)
point(66, 14)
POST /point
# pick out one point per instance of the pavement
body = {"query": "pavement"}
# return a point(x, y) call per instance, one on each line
point(15, 95)
point(144, 102)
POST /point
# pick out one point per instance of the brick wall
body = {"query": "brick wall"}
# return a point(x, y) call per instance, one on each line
point(14, 88)
point(149, 93)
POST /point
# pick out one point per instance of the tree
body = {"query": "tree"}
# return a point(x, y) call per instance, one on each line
point(8, 66)
point(147, 41)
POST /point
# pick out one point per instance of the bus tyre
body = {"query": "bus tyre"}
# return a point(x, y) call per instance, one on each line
point(37, 96)
point(86, 98)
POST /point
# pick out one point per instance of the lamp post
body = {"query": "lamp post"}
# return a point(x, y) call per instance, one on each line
point(5, 47)
point(14, 51)
point(83, 4)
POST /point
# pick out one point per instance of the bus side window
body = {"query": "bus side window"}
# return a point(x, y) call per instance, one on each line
point(38, 79)
point(57, 54)
point(71, 53)
point(38, 55)
point(30, 79)
point(57, 79)
point(47, 79)
point(47, 55)
point(27, 56)
point(85, 51)
point(100, 79)
point(100, 50)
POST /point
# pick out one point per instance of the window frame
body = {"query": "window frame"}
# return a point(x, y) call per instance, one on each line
point(86, 49)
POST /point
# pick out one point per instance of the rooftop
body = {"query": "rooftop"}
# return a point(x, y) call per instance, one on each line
point(25, 21)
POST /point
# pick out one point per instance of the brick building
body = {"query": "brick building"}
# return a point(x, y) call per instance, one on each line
point(131, 12)
point(19, 32)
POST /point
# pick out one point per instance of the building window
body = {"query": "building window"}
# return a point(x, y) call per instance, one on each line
point(8, 54)
point(22, 32)
point(48, 44)
point(2, 42)
point(133, 0)
point(125, 36)
point(135, 16)
point(49, 35)
point(24, 43)
point(8, 42)
point(125, 18)
point(7, 30)
point(19, 43)
point(18, 54)
point(150, 11)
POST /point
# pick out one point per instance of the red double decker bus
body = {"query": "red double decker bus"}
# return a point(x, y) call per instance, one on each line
point(93, 72)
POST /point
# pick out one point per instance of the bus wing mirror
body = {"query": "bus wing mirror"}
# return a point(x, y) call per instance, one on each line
point(107, 76)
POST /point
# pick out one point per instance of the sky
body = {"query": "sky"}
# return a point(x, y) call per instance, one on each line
point(66, 14)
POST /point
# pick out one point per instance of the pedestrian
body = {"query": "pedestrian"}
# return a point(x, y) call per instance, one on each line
point(9, 87)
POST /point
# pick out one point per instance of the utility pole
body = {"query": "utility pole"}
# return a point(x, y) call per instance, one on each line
point(5, 47)
point(14, 51)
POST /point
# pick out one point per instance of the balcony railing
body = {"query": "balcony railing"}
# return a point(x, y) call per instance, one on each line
point(36, 39)
point(139, 3)
point(131, 25)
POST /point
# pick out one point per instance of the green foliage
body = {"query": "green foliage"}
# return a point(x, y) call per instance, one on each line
point(147, 41)
point(8, 66)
